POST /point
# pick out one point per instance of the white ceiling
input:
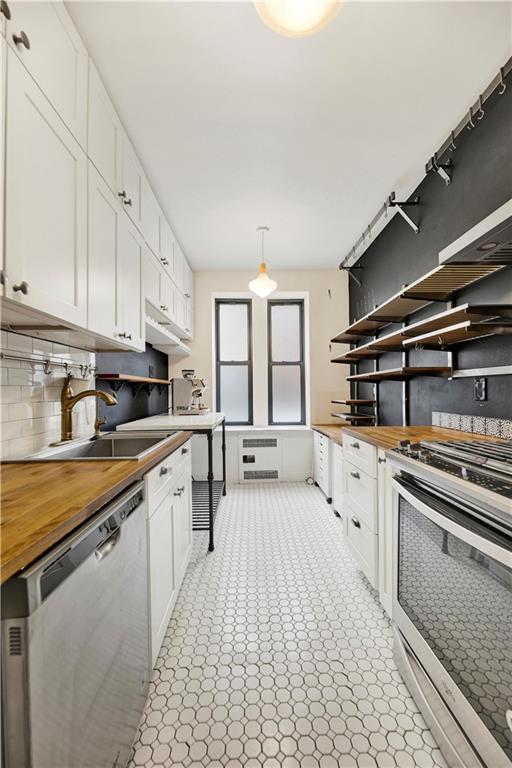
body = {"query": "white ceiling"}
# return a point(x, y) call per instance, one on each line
point(237, 126)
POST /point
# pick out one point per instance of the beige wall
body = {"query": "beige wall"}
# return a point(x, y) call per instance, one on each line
point(328, 314)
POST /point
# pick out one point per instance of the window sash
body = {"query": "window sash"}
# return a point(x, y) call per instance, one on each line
point(219, 364)
point(295, 363)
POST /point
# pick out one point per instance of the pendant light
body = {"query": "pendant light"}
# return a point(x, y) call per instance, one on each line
point(262, 285)
point(297, 18)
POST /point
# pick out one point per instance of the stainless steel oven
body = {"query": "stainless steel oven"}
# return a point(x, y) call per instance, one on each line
point(452, 614)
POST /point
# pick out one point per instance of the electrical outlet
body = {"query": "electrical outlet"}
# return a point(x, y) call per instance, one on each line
point(480, 389)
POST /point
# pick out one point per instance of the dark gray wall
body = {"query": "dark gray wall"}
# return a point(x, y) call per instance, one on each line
point(130, 406)
point(482, 181)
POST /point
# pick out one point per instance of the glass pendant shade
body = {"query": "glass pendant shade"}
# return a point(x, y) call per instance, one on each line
point(297, 18)
point(262, 285)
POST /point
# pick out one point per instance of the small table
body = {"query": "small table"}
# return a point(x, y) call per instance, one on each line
point(206, 494)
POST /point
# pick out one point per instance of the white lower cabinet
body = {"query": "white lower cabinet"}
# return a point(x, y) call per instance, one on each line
point(337, 477)
point(385, 515)
point(169, 526)
point(321, 462)
point(360, 511)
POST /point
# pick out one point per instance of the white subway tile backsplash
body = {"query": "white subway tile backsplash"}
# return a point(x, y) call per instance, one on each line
point(30, 398)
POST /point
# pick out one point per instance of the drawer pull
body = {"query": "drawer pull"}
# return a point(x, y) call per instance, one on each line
point(381, 461)
point(184, 450)
point(164, 471)
point(354, 445)
point(164, 307)
point(179, 491)
point(164, 262)
point(4, 8)
point(356, 475)
point(22, 39)
point(355, 522)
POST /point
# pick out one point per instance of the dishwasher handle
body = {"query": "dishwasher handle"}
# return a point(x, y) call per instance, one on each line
point(104, 549)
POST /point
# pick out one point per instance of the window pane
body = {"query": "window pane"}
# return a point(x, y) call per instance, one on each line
point(285, 333)
point(234, 392)
point(233, 325)
point(286, 392)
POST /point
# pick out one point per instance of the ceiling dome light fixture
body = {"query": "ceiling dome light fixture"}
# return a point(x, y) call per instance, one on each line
point(262, 285)
point(297, 18)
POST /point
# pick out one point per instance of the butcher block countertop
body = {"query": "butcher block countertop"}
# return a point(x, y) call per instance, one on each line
point(388, 437)
point(42, 502)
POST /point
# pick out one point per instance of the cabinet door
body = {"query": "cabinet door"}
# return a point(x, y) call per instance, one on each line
point(56, 59)
point(104, 214)
point(168, 297)
point(129, 268)
point(150, 217)
point(178, 267)
point(189, 318)
point(3, 84)
point(131, 182)
point(162, 581)
point(104, 145)
point(167, 247)
point(180, 310)
point(182, 525)
point(151, 276)
point(46, 204)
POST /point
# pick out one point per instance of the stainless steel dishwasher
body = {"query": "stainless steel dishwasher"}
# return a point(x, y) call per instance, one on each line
point(75, 650)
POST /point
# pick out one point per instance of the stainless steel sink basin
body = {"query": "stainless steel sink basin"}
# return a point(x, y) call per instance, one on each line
point(121, 446)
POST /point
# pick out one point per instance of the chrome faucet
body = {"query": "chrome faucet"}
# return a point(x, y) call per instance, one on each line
point(68, 401)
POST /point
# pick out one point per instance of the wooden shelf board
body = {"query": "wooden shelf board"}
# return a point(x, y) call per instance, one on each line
point(130, 377)
point(455, 334)
point(353, 417)
point(401, 374)
point(437, 285)
point(346, 338)
point(358, 401)
point(363, 353)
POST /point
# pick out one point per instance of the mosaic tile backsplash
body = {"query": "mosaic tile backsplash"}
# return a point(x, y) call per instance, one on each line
point(479, 425)
point(30, 398)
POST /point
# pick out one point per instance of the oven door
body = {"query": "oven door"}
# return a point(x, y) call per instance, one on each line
point(452, 610)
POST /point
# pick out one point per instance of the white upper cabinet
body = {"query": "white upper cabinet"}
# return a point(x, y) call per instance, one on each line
point(3, 83)
point(130, 183)
point(151, 277)
point(46, 204)
point(188, 281)
point(129, 284)
point(150, 217)
point(168, 297)
point(167, 247)
point(104, 214)
point(46, 41)
point(105, 133)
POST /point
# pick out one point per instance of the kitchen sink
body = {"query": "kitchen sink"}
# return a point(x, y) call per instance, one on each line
point(110, 445)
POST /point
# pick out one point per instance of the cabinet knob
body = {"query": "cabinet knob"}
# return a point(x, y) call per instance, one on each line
point(381, 461)
point(354, 445)
point(128, 201)
point(165, 262)
point(124, 198)
point(164, 470)
point(179, 491)
point(21, 288)
point(164, 307)
point(5, 10)
point(184, 450)
point(356, 475)
point(3, 277)
point(187, 295)
point(356, 523)
point(22, 39)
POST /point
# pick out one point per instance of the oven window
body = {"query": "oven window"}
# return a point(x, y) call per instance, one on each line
point(460, 601)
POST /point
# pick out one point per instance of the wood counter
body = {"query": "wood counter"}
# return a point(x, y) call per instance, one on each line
point(42, 502)
point(388, 437)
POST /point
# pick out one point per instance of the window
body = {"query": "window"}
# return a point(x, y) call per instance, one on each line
point(286, 385)
point(234, 359)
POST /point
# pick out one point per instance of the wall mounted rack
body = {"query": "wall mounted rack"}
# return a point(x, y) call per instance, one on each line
point(354, 401)
point(355, 418)
point(48, 364)
point(439, 284)
point(138, 383)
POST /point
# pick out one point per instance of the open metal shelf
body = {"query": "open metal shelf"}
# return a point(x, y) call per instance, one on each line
point(401, 374)
point(354, 401)
point(200, 503)
point(354, 418)
point(456, 334)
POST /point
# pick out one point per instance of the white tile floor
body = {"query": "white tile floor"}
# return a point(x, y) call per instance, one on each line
point(278, 652)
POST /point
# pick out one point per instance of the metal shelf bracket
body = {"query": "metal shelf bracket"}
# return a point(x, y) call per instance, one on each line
point(350, 271)
point(440, 168)
point(392, 202)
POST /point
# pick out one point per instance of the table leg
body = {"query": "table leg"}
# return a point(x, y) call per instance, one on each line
point(224, 457)
point(210, 488)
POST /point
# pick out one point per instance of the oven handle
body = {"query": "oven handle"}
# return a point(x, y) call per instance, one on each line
point(476, 540)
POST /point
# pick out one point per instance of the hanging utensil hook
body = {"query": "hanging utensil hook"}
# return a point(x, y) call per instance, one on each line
point(481, 111)
point(503, 85)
